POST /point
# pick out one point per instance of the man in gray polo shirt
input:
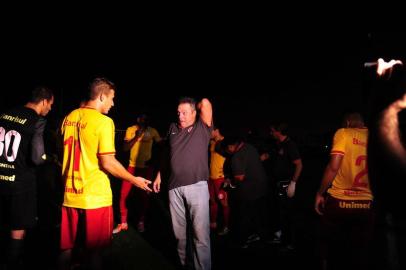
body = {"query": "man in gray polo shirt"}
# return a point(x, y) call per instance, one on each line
point(188, 192)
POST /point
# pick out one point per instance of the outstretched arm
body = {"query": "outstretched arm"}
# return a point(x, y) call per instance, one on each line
point(329, 174)
point(113, 166)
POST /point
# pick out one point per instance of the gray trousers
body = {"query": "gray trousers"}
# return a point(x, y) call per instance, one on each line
point(190, 205)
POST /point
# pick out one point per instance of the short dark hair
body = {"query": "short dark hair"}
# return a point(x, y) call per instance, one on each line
point(231, 140)
point(282, 127)
point(100, 86)
point(353, 118)
point(40, 93)
point(217, 126)
point(188, 100)
point(145, 117)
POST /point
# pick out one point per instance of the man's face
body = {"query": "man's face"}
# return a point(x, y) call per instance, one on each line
point(274, 133)
point(47, 106)
point(186, 115)
point(141, 120)
point(215, 133)
point(231, 149)
point(108, 101)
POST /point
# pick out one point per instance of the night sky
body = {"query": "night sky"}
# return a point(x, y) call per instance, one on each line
point(306, 78)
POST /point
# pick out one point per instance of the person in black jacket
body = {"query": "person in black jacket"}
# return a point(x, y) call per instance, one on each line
point(21, 150)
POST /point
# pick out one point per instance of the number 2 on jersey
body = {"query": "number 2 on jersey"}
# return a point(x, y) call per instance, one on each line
point(359, 176)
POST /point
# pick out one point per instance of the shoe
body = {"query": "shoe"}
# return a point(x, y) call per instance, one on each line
point(277, 238)
point(253, 238)
point(141, 227)
point(244, 246)
point(120, 227)
point(287, 248)
point(224, 231)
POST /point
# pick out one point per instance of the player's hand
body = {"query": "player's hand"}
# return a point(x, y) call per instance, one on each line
point(319, 204)
point(143, 183)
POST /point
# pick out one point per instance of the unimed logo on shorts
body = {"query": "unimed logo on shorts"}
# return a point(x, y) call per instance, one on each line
point(355, 205)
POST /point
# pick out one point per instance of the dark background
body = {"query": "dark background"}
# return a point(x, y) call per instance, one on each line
point(252, 76)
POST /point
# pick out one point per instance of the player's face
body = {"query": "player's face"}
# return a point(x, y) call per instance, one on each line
point(215, 133)
point(108, 101)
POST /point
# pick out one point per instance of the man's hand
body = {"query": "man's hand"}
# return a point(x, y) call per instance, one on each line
point(143, 183)
point(157, 183)
point(139, 132)
point(291, 189)
point(129, 144)
point(157, 186)
point(385, 68)
point(319, 203)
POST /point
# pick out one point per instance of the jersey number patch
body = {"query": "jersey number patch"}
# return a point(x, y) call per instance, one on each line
point(9, 144)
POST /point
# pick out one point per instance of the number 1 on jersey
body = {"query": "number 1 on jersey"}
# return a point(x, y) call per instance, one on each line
point(76, 158)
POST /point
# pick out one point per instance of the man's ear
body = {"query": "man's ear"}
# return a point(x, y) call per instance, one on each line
point(101, 97)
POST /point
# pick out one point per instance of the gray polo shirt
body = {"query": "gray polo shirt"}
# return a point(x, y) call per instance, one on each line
point(189, 153)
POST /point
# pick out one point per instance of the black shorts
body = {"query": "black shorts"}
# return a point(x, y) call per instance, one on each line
point(18, 211)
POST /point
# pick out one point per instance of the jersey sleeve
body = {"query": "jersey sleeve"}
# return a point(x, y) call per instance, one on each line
point(338, 143)
point(155, 135)
point(130, 133)
point(37, 145)
point(106, 138)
